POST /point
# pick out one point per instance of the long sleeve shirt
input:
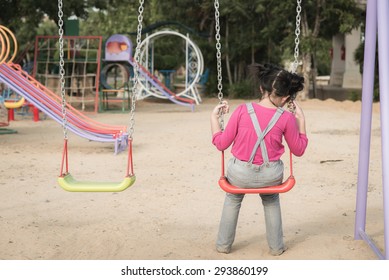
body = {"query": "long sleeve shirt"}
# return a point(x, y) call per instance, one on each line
point(241, 134)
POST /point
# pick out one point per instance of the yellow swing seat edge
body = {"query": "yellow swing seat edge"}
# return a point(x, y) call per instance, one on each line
point(68, 183)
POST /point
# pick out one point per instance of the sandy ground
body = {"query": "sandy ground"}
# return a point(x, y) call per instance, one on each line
point(173, 209)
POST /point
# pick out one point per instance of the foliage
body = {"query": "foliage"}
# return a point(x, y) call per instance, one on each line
point(242, 89)
point(169, 54)
point(256, 31)
point(16, 13)
point(118, 17)
point(340, 17)
point(323, 56)
point(28, 18)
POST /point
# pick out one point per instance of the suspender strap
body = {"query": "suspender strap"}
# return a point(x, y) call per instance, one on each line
point(261, 134)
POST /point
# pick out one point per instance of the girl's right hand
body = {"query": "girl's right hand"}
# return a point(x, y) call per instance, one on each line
point(221, 108)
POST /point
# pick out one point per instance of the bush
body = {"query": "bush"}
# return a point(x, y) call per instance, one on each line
point(243, 89)
point(166, 62)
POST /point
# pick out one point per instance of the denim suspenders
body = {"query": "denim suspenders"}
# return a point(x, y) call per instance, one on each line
point(261, 134)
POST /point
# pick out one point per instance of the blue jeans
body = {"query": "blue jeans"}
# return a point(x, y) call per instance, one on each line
point(254, 176)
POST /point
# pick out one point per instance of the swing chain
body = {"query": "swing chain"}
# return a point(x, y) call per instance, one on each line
point(297, 39)
point(136, 70)
point(62, 69)
point(219, 61)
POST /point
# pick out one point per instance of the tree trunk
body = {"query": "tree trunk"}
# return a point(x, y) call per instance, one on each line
point(230, 81)
point(315, 34)
point(306, 59)
point(236, 65)
point(314, 75)
point(241, 73)
point(252, 44)
point(304, 94)
point(307, 56)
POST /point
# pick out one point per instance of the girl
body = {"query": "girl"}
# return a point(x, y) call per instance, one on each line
point(255, 131)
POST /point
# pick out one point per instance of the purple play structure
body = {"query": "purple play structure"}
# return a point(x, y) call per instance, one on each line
point(377, 21)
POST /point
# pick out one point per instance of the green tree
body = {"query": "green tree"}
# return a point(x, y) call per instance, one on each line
point(118, 16)
point(264, 31)
point(251, 31)
point(28, 18)
point(321, 20)
point(16, 13)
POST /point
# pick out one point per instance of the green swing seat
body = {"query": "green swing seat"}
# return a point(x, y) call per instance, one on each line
point(68, 183)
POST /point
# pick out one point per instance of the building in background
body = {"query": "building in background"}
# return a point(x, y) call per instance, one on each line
point(345, 72)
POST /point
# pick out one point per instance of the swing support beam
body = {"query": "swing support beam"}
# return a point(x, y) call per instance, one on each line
point(377, 20)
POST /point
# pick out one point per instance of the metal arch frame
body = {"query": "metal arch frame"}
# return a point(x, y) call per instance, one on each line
point(5, 55)
point(190, 91)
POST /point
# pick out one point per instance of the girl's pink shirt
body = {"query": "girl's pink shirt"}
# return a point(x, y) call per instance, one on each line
point(241, 134)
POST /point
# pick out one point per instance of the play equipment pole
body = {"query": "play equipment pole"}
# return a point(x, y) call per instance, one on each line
point(376, 22)
point(366, 117)
point(383, 54)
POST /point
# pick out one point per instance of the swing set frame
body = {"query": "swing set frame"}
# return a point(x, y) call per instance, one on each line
point(377, 22)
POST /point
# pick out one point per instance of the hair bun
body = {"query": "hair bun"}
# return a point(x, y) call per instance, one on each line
point(273, 78)
point(296, 83)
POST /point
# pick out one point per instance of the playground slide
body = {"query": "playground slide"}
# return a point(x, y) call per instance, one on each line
point(49, 103)
point(162, 88)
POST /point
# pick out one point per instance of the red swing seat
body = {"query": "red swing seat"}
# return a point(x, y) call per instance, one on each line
point(284, 187)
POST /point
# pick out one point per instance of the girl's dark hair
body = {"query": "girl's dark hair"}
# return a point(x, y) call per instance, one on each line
point(274, 78)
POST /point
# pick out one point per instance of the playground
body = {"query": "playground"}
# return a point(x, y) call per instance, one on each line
point(169, 203)
point(173, 209)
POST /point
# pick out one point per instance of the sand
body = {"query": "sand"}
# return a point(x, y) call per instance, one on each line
point(172, 211)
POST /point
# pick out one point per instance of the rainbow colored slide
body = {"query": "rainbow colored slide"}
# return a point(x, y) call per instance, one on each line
point(49, 103)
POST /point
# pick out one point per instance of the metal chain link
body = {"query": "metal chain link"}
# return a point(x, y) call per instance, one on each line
point(291, 106)
point(218, 51)
point(219, 61)
point(62, 69)
point(297, 39)
point(136, 70)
